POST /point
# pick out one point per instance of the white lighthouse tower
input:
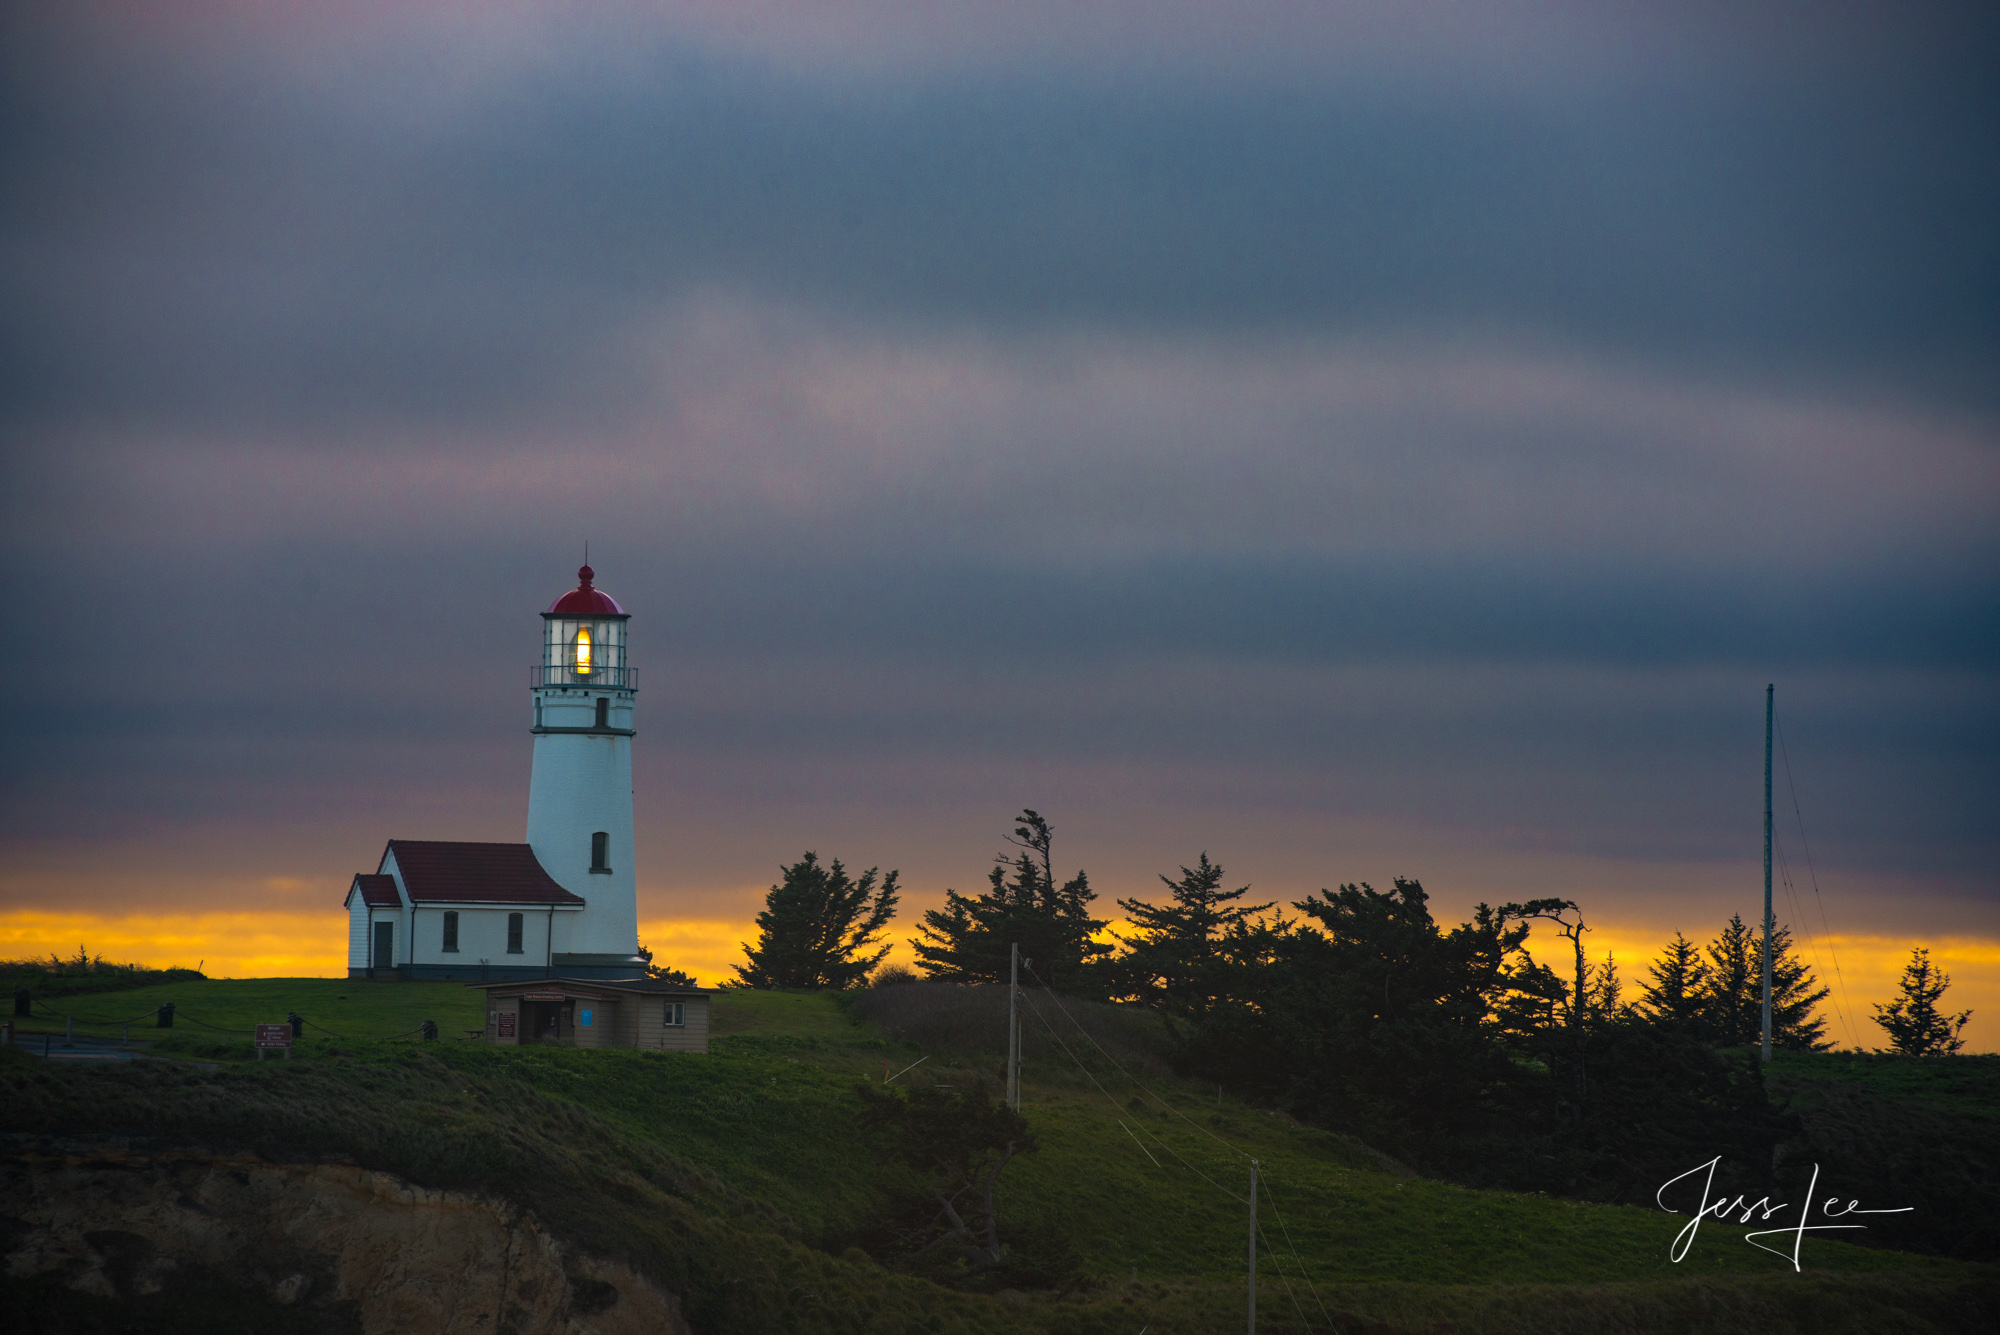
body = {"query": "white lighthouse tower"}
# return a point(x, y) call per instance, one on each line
point(580, 793)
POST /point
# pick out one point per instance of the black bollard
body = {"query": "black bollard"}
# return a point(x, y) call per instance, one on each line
point(24, 1002)
point(430, 1028)
point(166, 1015)
point(298, 1024)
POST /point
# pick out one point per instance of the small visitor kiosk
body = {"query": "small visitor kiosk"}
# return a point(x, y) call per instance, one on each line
point(643, 1013)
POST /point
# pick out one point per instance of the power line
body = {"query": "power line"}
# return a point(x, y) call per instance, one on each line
point(1129, 1076)
point(1799, 916)
point(1310, 1287)
point(1036, 1012)
point(1303, 1319)
point(1057, 1001)
point(1806, 846)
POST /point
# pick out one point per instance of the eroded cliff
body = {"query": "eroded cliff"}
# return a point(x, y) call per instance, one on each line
point(338, 1247)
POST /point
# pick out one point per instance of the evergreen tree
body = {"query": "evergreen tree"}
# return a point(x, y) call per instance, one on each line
point(969, 939)
point(1793, 998)
point(1917, 1028)
point(1604, 993)
point(1677, 994)
point(815, 925)
point(1731, 1013)
point(1174, 960)
point(1733, 1010)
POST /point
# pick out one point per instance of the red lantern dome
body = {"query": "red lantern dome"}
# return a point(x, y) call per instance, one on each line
point(585, 601)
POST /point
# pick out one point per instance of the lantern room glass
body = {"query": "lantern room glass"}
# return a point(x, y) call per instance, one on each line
point(584, 651)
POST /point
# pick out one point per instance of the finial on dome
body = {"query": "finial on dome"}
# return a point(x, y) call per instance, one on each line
point(585, 599)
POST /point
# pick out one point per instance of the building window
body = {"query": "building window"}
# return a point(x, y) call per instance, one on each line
point(450, 932)
point(513, 934)
point(600, 852)
point(603, 711)
point(676, 1014)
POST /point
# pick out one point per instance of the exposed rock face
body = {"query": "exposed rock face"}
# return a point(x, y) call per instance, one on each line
point(120, 1220)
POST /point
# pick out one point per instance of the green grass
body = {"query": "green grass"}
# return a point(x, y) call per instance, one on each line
point(1904, 1131)
point(1964, 1082)
point(215, 1017)
point(737, 1181)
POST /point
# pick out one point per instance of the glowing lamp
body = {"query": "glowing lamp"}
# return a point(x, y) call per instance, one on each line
point(583, 651)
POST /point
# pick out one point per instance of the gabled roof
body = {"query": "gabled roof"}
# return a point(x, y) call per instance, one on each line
point(444, 873)
point(377, 892)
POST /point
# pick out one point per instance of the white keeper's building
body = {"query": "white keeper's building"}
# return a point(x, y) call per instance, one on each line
point(563, 904)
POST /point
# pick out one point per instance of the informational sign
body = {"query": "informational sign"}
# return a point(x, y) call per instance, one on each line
point(543, 996)
point(274, 1035)
point(583, 1018)
point(506, 1024)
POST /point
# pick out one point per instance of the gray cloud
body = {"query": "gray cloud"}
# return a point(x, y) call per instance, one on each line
point(1354, 470)
point(218, 240)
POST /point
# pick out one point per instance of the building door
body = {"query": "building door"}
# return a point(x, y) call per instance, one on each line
point(542, 1021)
point(385, 946)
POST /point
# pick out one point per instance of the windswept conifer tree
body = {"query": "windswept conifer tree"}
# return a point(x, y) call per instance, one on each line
point(815, 925)
point(1178, 959)
point(969, 939)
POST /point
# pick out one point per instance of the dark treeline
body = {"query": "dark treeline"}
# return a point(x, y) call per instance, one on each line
point(1449, 1046)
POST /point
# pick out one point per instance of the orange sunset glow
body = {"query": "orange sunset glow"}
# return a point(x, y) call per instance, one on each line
point(312, 945)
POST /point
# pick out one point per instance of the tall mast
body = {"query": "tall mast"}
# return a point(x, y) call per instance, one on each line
point(1769, 691)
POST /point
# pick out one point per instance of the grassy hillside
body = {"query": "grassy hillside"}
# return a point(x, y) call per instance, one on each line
point(1905, 1131)
point(737, 1180)
point(214, 1017)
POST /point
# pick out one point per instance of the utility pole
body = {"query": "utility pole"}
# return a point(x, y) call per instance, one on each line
point(1769, 701)
point(1014, 1029)
point(1253, 1247)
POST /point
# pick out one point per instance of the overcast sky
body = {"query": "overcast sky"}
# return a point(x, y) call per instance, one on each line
point(1350, 439)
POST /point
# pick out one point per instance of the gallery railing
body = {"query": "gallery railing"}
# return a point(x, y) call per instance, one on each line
point(612, 678)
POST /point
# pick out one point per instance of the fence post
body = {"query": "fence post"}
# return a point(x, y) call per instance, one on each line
point(166, 1020)
point(69, 1031)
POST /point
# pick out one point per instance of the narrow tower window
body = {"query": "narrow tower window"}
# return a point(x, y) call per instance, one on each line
point(513, 934)
point(450, 932)
point(603, 711)
point(600, 851)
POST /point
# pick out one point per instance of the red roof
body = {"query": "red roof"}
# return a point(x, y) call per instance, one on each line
point(377, 892)
point(441, 873)
point(584, 601)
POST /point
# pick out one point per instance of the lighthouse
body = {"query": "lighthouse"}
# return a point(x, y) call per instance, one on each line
point(565, 903)
point(580, 791)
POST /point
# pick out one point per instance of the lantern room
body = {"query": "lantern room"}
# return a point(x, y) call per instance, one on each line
point(583, 640)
